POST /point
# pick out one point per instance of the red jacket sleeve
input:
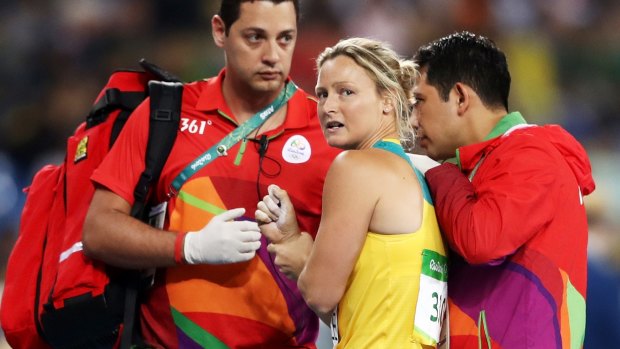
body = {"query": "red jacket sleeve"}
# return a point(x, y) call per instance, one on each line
point(510, 199)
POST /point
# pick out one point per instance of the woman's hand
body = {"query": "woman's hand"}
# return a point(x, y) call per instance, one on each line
point(275, 215)
point(276, 218)
point(291, 254)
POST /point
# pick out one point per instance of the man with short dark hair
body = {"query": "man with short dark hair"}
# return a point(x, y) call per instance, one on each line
point(216, 285)
point(509, 200)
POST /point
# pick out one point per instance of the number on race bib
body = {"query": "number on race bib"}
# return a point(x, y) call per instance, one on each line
point(432, 296)
point(439, 307)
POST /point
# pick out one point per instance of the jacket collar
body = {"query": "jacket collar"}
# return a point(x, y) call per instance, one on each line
point(211, 99)
point(467, 157)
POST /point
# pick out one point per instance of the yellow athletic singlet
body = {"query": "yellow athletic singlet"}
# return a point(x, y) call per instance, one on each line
point(396, 295)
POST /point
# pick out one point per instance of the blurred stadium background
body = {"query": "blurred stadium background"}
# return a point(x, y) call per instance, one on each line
point(564, 57)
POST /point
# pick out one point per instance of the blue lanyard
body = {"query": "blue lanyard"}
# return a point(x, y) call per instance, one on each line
point(242, 131)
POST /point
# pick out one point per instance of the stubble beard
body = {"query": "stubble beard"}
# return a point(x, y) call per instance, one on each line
point(261, 86)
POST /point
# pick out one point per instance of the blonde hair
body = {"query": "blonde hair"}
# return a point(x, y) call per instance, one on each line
point(388, 70)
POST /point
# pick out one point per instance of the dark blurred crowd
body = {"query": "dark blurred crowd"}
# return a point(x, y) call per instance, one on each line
point(56, 55)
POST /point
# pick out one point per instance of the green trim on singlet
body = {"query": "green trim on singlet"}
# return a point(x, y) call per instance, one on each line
point(393, 146)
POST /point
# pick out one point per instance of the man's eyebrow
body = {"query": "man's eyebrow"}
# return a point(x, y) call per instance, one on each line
point(254, 29)
point(260, 30)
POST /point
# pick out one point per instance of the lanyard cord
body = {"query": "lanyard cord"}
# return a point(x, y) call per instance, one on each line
point(239, 133)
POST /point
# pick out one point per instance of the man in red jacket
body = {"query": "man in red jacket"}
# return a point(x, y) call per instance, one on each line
point(509, 199)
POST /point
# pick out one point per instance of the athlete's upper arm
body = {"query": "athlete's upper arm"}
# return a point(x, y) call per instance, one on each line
point(349, 200)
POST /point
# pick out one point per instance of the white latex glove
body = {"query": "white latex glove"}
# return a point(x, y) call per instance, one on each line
point(223, 240)
point(423, 162)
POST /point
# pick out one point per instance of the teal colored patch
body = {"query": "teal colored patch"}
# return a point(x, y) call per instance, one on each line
point(425, 191)
point(398, 150)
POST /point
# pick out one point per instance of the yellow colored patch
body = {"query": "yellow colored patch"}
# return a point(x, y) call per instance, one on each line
point(82, 150)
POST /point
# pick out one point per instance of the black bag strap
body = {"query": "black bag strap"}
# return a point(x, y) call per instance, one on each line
point(164, 120)
point(114, 98)
point(158, 72)
point(129, 100)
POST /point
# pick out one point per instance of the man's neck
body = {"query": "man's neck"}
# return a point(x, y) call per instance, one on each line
point(243, 102)
point(486, 122)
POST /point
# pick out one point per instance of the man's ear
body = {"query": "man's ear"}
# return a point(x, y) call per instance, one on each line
point(218, 30)
point(463, 97)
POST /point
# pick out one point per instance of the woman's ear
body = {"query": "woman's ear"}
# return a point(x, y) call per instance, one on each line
point(387, 103)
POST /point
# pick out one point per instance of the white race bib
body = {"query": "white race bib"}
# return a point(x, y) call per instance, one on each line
point(432, 298)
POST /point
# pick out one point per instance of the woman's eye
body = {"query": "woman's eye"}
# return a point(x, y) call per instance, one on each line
point(346, 92)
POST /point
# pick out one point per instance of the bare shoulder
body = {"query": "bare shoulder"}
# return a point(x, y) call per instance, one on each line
point(358, 164)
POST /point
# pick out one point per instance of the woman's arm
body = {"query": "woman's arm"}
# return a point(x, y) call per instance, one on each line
point(349, 198)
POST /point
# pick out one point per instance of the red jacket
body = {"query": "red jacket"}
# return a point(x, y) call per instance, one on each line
point(520, 230)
